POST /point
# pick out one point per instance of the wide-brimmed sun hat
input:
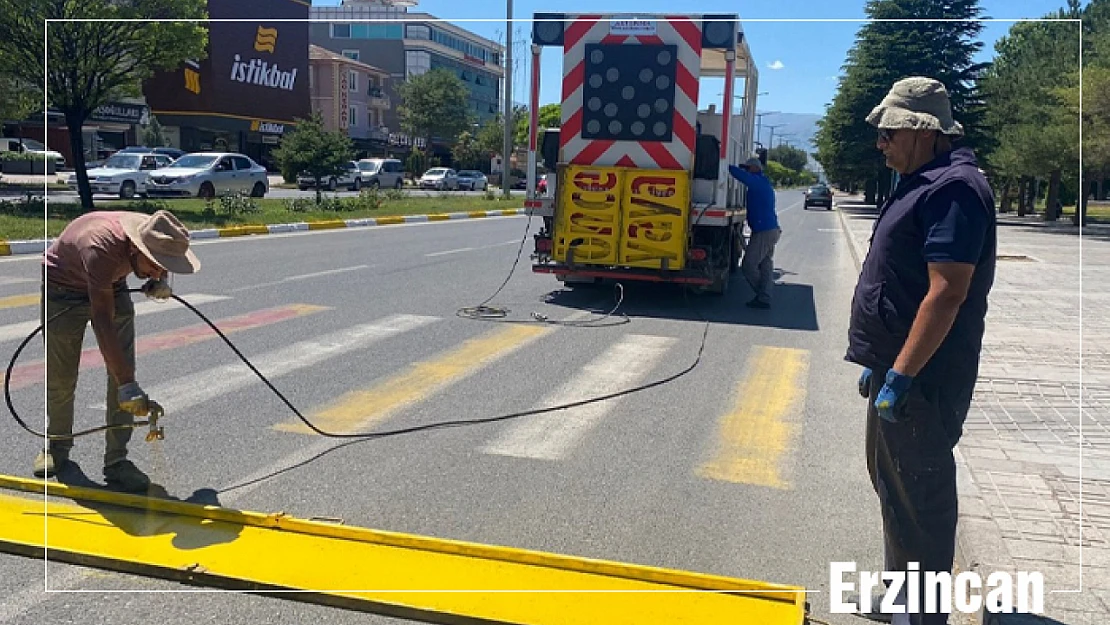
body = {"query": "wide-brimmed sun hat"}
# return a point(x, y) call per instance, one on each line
point(916, 103)
point(162, 238)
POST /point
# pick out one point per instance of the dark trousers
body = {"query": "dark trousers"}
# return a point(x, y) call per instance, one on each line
point(914, 474)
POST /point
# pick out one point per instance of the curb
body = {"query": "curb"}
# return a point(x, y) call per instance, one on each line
point(977, 534)
point(38, 246)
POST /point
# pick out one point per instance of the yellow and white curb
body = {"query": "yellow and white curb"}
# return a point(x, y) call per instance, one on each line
point(11, 248)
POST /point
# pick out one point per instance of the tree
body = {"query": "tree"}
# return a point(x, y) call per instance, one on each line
point(550, 116)
point(89, 64)
point(791, 157)
point(489, 137)
point(152, 134)
point(433, 105)
point(467, 152)
point(311, 148)
point(885, 52)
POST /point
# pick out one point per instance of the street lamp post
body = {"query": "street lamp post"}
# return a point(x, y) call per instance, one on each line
point(507, 144)
point(759, 122)
point(771, 141)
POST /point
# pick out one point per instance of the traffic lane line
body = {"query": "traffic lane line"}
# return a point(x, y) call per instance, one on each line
point(358, 410)
point(19, 301)
point(305, 276)
point(35, 373)
point(550, 436)
point(755, 439)
point(474, 249)
point(15, 331)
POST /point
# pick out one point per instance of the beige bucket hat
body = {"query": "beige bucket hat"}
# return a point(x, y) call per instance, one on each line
point(916, 103)
point(161, 237)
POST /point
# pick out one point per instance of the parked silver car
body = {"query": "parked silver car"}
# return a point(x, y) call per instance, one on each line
point(472, 180)
point(208, 174)
point(385, 173)
point(124, 175)
point(440, 179)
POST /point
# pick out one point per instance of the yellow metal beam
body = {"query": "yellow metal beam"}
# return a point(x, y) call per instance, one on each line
point(403, 575)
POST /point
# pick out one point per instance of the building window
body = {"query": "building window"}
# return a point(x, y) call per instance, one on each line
point(377, 31)
point(311, 77)
point(352, 81)
point(416, 31)
point(352, 116)
point(417, 63)
point(340, 31)
point(370, 119)
point(351, 54)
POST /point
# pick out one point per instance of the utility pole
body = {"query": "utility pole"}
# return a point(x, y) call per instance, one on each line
point(507, 145)
point(771, 142)
point(759, 122)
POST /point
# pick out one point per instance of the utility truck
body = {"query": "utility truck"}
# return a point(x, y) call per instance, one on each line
point(641, 189)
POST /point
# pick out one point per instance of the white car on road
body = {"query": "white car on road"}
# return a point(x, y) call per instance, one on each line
point(208, 174)
point(440, 179)
point(124, 175)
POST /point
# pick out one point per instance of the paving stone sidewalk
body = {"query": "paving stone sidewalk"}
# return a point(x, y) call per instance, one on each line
point(1027, 443)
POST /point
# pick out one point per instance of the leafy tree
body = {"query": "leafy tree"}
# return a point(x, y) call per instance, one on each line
point(885, 52)
point(550, 116)
point(467, 152)
point(313, 149)
point(789, 156)
point(152, 134)
point(433, 105)
point(89, 64)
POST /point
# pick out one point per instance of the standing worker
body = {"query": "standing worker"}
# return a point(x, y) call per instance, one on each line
point(85, 280)
point(917, 323)
point(759, 257)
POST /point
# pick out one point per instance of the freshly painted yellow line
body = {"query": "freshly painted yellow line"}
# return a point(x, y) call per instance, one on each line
point(477, 214)
point(439, 217)
point(18, 301)
point(327, 225)
point(755, 438)
point(238, 231)
point(359, 410)
point(5, 249)
point(389, 221)
point(402, 575)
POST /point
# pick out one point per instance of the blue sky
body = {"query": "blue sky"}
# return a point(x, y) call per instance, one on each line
point(798, 61)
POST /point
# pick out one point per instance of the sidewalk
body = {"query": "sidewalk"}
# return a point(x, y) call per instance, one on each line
point(1021, 458)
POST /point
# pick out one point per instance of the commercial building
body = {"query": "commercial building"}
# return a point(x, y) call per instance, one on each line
point(250, 88)
point(372, 31)
point(350, 96)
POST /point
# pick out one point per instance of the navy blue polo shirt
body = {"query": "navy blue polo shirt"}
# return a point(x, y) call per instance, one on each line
point(943, 212)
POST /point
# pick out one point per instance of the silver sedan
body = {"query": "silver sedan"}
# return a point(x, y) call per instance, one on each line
point(208, 174)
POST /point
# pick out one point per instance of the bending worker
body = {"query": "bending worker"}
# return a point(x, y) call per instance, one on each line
point(917, 324)
point(85, 275)
point(758, 265)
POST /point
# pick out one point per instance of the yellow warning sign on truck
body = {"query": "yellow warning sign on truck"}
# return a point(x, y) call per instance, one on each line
point(588, 224)
point(655, 208)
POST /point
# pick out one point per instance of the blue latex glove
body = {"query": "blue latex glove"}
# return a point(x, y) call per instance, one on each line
point(864, 383)
point(892, 397)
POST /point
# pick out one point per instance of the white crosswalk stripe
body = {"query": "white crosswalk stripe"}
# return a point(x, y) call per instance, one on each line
point(194, 389)
point(550, 436)
point(20, 330)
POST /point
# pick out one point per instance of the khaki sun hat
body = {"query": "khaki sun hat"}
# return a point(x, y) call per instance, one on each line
point(916, 103)
point(161, 237)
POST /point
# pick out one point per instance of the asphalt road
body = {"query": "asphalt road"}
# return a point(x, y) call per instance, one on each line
point(750, 466)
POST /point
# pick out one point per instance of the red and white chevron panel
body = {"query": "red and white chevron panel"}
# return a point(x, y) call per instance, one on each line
point(683, 32)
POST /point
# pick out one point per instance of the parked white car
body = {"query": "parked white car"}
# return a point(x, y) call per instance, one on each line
point(9, 144)
point(350, 178)
point(124, 175)
point(439, 178)
point(208, 174)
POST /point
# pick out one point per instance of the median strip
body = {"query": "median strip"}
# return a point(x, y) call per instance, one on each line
point(10, 248)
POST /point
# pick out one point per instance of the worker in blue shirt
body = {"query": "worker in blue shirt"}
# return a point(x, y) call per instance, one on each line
point(917, 325)
point(758, 265)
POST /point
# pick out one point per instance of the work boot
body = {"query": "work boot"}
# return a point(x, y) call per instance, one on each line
point(124, 475)
point(876, 604)
point(48, 462)
point(758, 303)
